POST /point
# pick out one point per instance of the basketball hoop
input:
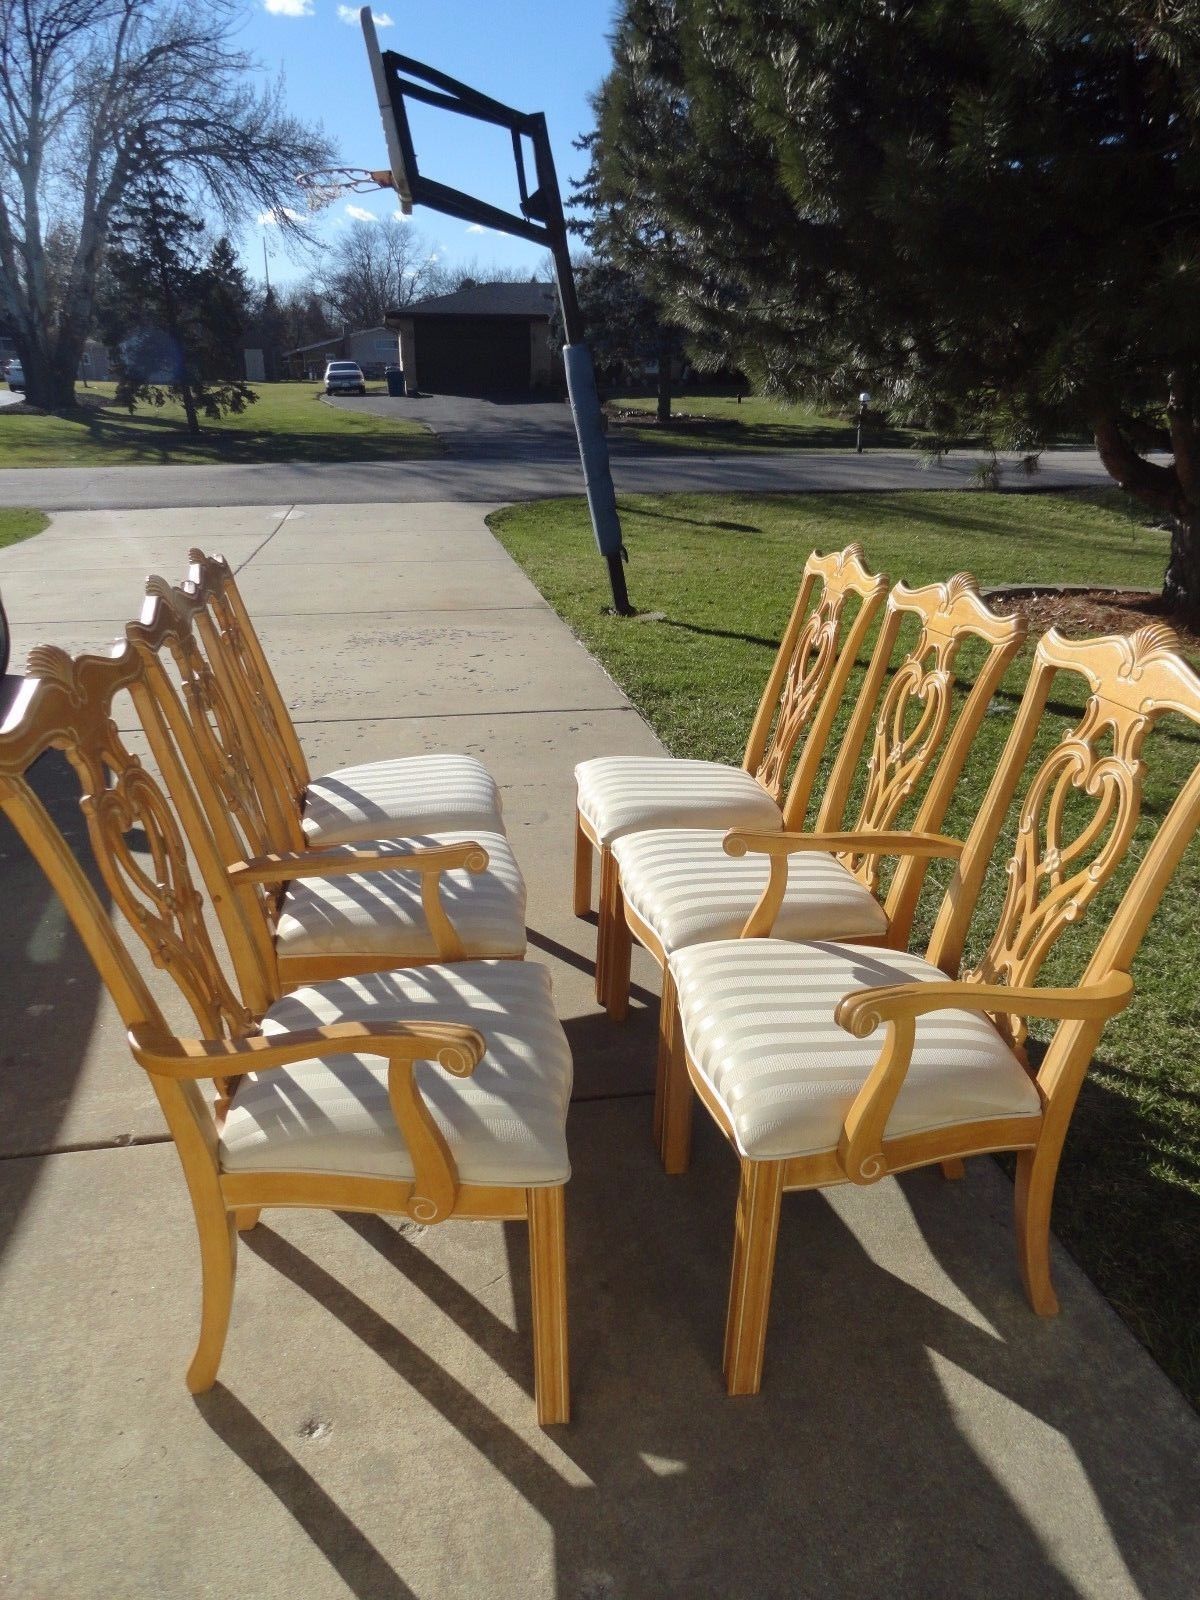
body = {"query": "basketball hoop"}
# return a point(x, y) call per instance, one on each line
point(327, 184)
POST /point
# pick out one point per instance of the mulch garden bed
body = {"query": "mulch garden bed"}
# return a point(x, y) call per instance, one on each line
point(1091, 611)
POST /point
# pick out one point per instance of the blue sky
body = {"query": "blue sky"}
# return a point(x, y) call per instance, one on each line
point(537, 55)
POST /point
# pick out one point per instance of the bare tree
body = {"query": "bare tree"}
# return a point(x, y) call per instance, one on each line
point(86, 87)
point(373, 267)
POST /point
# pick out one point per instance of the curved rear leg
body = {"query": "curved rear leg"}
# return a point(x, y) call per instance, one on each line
point(1034, 1196)
point(218, 1264)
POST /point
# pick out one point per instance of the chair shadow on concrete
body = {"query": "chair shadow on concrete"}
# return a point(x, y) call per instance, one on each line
point(863, 1467)
point(343, 1544)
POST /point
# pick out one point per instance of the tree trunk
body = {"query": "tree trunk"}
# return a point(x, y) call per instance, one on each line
point(49, 378)
point(189, 406)
point(1181, 585)
point(664, 382)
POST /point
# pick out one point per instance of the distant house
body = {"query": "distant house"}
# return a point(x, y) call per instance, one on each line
point(372, 348)
point(485, 337)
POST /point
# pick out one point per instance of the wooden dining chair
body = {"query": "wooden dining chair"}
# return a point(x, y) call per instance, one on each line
point(403, 797)
point(681, 887)
point(325, 911)
point(618, 795)
point(433, 1093)
point(827, 1063)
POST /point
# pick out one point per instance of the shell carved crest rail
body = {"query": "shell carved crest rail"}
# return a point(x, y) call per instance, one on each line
point(120, 799)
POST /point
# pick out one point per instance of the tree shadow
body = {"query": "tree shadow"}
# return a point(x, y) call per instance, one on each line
point(52, 992)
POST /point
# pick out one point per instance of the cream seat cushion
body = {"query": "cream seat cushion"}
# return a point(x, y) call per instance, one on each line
point(380, 913)
point(758, 1022)
point(411, 794)
point(505, 1124)
point(681, 883)
point(628, 794)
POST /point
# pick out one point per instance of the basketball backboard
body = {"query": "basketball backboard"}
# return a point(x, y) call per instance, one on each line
point(395, 146)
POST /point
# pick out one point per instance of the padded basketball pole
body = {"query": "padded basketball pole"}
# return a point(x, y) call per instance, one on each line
point(541, 221)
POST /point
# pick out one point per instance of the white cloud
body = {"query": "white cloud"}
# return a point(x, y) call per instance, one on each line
point(361, 214)
point(478, 227)
point(289, 8)
point(349, 15)
point(401, 216)
point(270, 219)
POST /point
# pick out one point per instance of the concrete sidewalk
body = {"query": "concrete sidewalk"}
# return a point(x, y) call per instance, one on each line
point(920, 1433)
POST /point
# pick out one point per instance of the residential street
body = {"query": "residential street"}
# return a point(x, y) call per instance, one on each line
point(512, 470)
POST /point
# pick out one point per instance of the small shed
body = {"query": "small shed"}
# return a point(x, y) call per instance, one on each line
point(483, 338)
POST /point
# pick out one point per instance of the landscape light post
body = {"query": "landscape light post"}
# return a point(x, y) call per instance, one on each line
point(864, 400)
point(541, 221)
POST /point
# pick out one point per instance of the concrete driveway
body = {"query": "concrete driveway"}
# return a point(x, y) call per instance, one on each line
point(920, 1432)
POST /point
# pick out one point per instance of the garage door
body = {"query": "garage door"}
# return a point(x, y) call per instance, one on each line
point(472, 355)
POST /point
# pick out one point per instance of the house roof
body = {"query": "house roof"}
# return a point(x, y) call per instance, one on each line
point(484, 300)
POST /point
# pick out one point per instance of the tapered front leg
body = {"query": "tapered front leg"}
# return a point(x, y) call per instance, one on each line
point(548, 1283)
point(583, 869)
point(755, 1232)
point(610, 882)
point(673, 1096)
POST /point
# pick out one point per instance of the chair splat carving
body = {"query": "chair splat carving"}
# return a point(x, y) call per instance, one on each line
point(806, 662)
point(119, 799)
point(1054, 874)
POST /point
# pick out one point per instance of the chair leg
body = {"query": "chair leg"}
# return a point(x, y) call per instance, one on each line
point(619, 964)
point(548, 1283)
point(1034, 1196)
point(755, 1233)
point(953, 1168)
point(218, 1265)
point(248, 1219)
point(673, 1097)
point(610, 885)
point(583, 869)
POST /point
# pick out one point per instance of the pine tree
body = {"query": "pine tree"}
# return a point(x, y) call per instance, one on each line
point(174, 321)
point(988, 215)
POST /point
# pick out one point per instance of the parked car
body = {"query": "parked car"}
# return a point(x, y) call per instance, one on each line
point(16, 376)
point(344, 377)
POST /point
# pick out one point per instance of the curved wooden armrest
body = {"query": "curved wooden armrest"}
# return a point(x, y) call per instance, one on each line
point(896, 1008)
point(861, 1013)
point(454, 1046)
point(338, 860)
point(740, 842)
point(777, 847)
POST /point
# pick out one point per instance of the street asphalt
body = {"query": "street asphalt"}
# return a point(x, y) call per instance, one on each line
point(497, 479)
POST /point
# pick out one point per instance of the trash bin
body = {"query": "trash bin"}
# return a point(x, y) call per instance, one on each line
point(395, 380)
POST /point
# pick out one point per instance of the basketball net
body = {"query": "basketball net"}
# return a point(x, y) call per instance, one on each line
point(327, 184)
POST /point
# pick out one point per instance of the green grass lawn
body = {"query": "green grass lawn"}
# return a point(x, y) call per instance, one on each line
point(719, 422)
point(723, 572)
point(289, 422)
point(17, 524)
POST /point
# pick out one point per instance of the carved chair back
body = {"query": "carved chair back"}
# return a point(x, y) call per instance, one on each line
point(236, 654)
point(198, 743)
point(815, 658)
point(916, 735)
point(138, 841)
point(1080, 807)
